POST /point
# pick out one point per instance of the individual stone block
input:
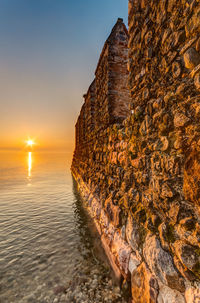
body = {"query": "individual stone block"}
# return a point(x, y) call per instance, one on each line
point(176, 69)
point(197, 80)
point(144, 285)
point(191, 58)
point(180, 119)
point(192, 177)
point(192, 294)
point(122, 251)
point(134, 262)
point(161, 264)
point(188, 256)
point(168, 295)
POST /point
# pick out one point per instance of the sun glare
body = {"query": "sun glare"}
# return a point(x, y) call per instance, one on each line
point(30, 142)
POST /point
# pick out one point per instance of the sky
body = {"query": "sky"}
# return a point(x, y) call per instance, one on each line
point(49, 50)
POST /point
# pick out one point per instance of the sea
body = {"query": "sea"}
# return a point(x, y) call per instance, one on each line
point(49, 248)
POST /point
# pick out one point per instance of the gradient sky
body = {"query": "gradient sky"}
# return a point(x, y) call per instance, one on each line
point(48, 54)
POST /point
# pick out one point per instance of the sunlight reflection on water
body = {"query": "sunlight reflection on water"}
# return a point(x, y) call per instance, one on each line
point(29, 164)
point(44, 238)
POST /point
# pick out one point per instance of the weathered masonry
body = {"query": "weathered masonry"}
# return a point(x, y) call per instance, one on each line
point(107, 100)
point(137, 155)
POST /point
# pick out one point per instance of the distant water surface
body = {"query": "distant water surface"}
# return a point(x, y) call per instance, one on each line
point(44, 238)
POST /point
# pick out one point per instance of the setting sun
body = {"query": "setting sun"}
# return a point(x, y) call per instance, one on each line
point(30, 142)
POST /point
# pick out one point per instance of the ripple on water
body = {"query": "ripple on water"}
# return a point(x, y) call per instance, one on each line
point(46, 247)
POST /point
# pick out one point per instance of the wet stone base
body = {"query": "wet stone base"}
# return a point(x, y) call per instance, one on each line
point(90, 287)
point(150, 270)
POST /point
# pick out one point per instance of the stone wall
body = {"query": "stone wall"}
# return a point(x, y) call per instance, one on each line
point(140, 177)
point(112, 95)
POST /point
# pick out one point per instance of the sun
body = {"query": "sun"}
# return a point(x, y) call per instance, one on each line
point(30, 142)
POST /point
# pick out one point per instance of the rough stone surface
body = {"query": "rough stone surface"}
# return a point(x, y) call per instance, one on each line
point(197, 81)
point(161, 264)
point(191, 58)
point(168, 295)
point(180, 120)
point(192, 294)
point(144, 285)
point(134, 262)
point(137, 154)
point(188, 255)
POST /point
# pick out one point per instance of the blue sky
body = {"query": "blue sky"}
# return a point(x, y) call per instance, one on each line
point(48, 53)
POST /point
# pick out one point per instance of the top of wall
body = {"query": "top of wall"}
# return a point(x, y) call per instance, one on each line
point(112, 37)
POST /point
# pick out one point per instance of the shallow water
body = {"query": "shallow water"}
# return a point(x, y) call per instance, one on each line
point(47, 247)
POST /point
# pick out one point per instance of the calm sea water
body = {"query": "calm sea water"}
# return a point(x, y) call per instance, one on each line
point(44, 236)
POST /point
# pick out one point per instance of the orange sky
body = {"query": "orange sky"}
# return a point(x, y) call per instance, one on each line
point(49, 52)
